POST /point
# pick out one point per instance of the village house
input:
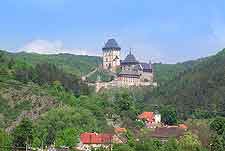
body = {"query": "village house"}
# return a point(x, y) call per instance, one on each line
point(183, 126)
point(167, 132)
point(120, 130)
point(151, 119)
point(94, 140)
point(89, 141)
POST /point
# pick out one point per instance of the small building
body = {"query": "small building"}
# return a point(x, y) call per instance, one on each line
point(151, 119)
point(94, 140)
point(165, 133)
point(120, 130)
point(183, 126)
point(89, 141)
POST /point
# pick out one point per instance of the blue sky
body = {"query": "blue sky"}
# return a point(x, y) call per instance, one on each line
point(162, 30)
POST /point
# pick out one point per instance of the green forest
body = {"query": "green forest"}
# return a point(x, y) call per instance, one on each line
point(43, 101)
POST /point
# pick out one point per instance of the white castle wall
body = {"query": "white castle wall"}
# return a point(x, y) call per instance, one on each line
point(109, 61)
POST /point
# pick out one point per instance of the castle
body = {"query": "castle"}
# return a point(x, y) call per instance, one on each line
point(131, 71)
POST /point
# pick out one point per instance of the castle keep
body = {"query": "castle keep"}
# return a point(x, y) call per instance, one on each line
point(111, 55)
point(132, 72)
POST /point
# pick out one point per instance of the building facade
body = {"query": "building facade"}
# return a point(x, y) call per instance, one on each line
point(133, 72)
point(93, 141)
point(151, 119)
point(111, 55)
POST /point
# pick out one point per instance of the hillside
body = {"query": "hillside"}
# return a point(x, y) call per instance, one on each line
point(30, 90)
point(192, 82)
point(82, 65)
point(18, 100)
point(167, 72)
point(54, 100)
point(75, 64)
point(60, 106)
point(198, 91)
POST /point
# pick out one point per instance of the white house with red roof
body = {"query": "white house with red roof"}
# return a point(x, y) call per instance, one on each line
point(151, 119)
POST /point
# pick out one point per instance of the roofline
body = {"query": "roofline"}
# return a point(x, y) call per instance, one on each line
point(125, 63)
point(110, 48)
point(128, 75)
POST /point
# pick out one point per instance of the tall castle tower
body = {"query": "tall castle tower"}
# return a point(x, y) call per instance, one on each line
point(111, 55)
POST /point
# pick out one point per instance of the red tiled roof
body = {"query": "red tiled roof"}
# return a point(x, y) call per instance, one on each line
point(94, 138)
point(183, 126)
point(120, 130)
point(149, 116)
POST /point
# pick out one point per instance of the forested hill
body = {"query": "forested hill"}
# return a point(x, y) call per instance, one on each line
point(167, 72)
point(47, 90)
point(30, 87)
point(75, 64)
point(80, 65)
point(198, 91)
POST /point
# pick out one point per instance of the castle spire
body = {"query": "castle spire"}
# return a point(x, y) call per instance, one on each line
point(130, 51)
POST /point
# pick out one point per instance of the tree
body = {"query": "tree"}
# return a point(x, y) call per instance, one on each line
point(124, 105)
point(51, 134)
point(11, 63)
point(147, 144)
point(36, 142)
point(171, 145)
point(5, 139)
point(130, 138)
point(68, 137)
point(62, 125)
point(23, 133)
point(169, 115)
point(189, 142)
point(218, 125)
point(216, 143)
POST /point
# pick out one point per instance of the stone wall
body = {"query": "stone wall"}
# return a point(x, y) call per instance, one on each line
point(121, 83)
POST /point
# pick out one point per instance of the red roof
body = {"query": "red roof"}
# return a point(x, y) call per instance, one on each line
point(149, 116)
point(94, 138)
point(183, 126)
point(120, 130)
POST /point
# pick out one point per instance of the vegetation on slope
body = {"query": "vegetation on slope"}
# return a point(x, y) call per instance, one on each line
point(102, 75)
point(190, 92)
point(167, 72)
point(197, 92)
point(74, 64)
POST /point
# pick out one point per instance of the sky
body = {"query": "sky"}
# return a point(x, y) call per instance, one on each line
point(167, 31)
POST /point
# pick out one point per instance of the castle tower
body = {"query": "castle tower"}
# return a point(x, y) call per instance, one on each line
point(111, 55)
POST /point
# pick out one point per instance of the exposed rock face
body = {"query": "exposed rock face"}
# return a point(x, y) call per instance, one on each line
point(32, 102)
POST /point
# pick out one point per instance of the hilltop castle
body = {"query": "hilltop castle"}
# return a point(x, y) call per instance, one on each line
point(132, 72)
point(111, 55)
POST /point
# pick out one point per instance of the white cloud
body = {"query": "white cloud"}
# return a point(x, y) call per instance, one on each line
point(43, 47)
point(51, 47)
